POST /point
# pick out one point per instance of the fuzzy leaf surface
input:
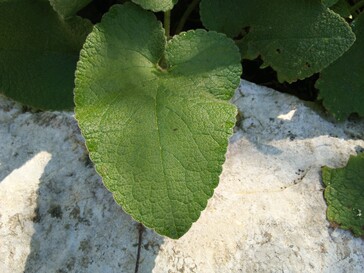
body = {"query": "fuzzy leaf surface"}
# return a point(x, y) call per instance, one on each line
point(341, 84)
point(38, 53)
point(156, 5)
point(157, 136)
point(297, 41)
point(68, 8)
point(344, 194)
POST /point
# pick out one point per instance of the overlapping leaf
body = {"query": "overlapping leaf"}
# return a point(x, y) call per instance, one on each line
point(156, 5)
point(68, 8)
point(341, 85)
point(155, 116)
point(344, 195)
point(296, 38)
point(229, 16)
point(38, 53)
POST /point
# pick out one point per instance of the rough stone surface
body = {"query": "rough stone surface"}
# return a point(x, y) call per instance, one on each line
point(267, 214)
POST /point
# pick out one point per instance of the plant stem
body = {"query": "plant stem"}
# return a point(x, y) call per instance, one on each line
point(185, 15)
point(141, 230)
point(167, 23)
point(357, 6)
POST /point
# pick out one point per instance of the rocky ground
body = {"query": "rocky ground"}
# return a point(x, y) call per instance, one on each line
point(267, 214)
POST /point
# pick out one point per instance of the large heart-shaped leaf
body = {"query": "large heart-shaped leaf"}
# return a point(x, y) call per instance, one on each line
point(296, 38)
point(344, 194)
point(38, 53)
point(341, 85)
point(155, 116)
point(68, 8)
point(156, 5)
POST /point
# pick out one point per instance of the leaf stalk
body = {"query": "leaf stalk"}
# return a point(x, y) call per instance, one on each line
point(185, 15)
point(140, 240)
point(167, 23)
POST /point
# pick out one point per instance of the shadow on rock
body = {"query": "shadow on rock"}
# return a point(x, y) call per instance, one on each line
point(74, 225)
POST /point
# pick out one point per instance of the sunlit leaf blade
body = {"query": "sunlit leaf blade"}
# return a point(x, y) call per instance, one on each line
point(296, 38)
point(38, 53)
point(153, 114)
point(344, 195)
point(156, 5)
point(68, 8)
point(341, 85)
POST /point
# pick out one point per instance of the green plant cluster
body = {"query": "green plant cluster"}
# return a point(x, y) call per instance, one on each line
point(152, 95)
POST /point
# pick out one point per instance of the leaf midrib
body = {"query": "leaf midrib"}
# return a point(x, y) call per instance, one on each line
point(161, 157)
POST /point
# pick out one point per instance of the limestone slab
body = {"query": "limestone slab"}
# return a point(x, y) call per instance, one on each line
point(267, 214)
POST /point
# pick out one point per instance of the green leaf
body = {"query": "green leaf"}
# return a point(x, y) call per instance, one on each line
point(341, 85)
point(155, 116)
point(229, 16)
point(68, 8)
point(296, 38)
point(344, 195)
point(156, 5)
point(38, 53)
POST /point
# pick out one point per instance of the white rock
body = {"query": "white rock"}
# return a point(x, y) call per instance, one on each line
point(267, 214)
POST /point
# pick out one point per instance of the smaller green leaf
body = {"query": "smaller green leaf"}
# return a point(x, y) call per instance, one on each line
point(344, 194)
point(308, 39)
point(68, 8)
point(297, 41)
point(228, 17)
point(156, 5)
point(38, 53)
point(341, 85)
